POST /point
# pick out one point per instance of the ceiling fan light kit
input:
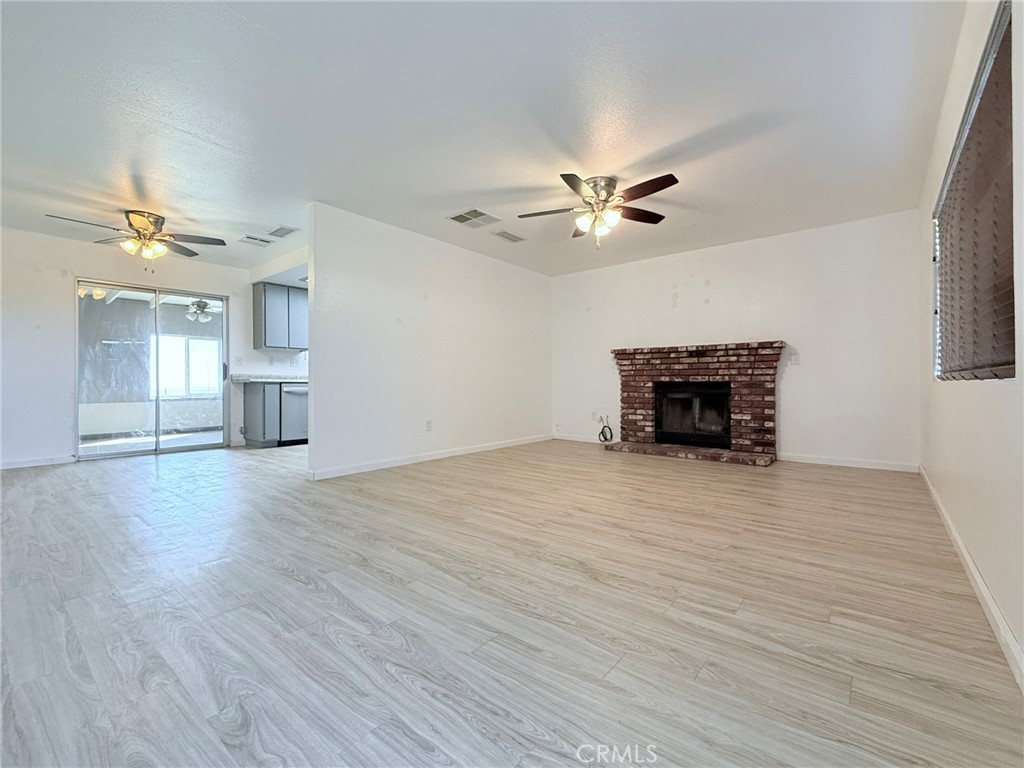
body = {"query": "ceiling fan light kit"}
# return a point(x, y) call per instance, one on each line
point(602, 208)
point(199, 310)
point(146, 238)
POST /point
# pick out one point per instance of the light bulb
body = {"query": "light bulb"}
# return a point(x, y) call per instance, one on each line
point(159, 248)
point(191, 314)
point(148, 252)
point(205, 317)
point(98, 293)
point(612, 217)
point(130, 246)
point(83, 292)
point(601, 228)
point(584, 222)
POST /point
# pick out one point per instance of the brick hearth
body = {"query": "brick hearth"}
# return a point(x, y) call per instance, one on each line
point(750, 368)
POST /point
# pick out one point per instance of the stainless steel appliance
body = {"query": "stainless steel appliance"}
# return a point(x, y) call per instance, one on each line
point(294, 412)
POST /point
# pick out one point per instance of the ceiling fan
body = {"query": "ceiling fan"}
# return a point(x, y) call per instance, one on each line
point(603, 208)
point(145, 236)
point(202, 310)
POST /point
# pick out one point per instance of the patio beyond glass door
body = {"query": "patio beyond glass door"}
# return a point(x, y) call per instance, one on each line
point(189, 375)
point(150, 370)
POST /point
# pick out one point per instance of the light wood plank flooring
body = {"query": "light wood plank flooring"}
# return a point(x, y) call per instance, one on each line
point(500, 609)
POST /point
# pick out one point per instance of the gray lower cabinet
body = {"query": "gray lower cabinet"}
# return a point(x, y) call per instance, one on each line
point(262, 413)
point(276, 413)
point(280, 317)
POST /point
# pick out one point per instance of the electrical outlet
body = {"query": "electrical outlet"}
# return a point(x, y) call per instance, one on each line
point(430, 425)
point(794, 357)
point(294, 362)
point(270, 361)
point(241, 430)
point(593, 415)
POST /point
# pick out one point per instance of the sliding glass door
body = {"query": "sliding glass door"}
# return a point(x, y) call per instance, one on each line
point(188, 376)
point(150, 370)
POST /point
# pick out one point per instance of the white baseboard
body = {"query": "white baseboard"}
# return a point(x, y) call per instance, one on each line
point(37, 462)
point(892, 466)
point(1004, 636)
point(577, 438)
point(354, 469)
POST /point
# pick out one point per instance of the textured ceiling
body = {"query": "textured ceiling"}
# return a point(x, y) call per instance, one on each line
point(229, 118)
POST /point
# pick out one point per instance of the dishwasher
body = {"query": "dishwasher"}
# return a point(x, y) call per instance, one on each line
point(294, 412)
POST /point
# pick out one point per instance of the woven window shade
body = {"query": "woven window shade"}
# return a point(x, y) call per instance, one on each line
point(974, 237)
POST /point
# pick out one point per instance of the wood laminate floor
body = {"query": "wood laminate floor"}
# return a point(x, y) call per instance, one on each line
point(513, 608)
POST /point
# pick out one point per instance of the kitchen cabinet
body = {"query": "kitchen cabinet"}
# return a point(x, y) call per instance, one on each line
point(262, 412)
point(276, 413)
point(280, 317)
point(298, 318)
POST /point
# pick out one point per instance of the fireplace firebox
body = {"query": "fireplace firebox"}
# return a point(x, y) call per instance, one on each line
point(692, 413)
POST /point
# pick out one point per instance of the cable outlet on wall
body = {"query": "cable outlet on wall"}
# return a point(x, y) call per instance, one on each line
point(430, 425)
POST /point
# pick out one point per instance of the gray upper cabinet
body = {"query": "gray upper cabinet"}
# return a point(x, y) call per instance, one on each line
point(280, 317)
point(298, 318)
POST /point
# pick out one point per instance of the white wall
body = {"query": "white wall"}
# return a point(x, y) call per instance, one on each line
point(973, 431)
point(37, 312)
point(404, 328)
point(843, 297)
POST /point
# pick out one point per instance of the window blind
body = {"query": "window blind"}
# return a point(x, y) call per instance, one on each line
point(974, 229)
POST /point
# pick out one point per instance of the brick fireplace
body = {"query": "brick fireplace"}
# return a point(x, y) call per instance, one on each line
point(714, 402)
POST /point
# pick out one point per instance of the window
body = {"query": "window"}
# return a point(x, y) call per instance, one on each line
point(974, 312)
point(204, 366)
point(190, 366)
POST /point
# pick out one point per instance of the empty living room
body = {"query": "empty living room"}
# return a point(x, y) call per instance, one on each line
point(512, 384)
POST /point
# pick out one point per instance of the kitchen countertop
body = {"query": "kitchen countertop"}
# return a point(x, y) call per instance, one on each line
point(260, 378)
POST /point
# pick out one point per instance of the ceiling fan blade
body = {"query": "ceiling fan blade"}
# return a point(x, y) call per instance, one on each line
point(198, 239)
point(91, 224)
point(180, 249)
point(578, 185)
point(109, 240)
point(639, 214)
point(577, 232)
point(647, 188)
point(544, 213)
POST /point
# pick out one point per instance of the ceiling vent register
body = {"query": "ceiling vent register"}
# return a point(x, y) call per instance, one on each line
point(474, 218)
point(259, 242)
point(504, 235)
point(282, 231)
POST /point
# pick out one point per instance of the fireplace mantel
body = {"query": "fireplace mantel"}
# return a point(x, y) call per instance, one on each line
point(749, 367)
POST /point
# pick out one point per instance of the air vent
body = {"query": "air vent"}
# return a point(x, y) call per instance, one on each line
point(259, 242)
point(282, 231)
point(509, 236)
point(474, 218)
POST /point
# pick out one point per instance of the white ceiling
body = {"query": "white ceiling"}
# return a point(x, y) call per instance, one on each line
point(229, 118)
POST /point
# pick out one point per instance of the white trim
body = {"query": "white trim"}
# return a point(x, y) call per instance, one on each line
point(891, 466)
point(38, 462)
point(1004, 635)
point(324, 474)
point(577, 438)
